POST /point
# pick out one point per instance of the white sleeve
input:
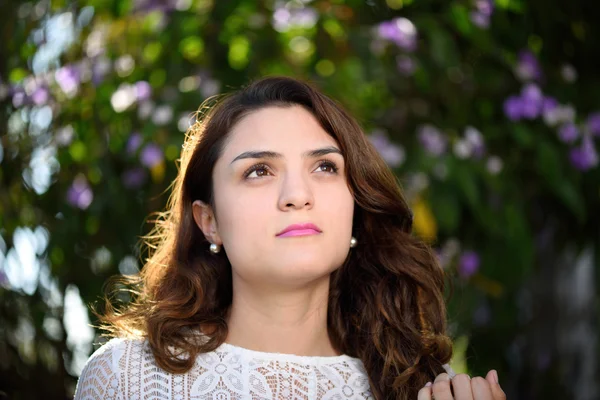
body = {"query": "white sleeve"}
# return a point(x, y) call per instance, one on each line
point(449, 370)
point(100, 378)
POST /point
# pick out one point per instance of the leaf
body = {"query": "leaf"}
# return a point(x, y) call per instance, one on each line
point(446, 209)
point(572, 198)
point(468, 187)
point(519, 240)
point(549, 167)
point(522, 135)
point(512, 5)
point(443, 48)
point(460, 17)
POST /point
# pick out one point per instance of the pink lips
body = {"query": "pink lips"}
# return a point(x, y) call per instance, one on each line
point(300, 230)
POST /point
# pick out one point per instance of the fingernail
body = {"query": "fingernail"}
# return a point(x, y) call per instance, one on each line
point(428, 384)
point(495, 374)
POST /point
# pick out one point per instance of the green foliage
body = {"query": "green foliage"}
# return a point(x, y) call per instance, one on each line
point(91, 160)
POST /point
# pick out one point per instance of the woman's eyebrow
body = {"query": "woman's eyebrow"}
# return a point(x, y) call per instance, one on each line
point(271, 154)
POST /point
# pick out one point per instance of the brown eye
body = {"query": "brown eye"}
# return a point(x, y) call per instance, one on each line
point(260, 171)
point(328, 164)
point(258, 168)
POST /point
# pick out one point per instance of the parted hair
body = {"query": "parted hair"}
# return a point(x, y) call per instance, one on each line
point(386, 301)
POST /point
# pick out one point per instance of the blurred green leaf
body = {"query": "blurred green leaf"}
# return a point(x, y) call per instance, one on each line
point(239, 51)
point(522, 135)
point(460, 18)
point(446, 208)
point(549, 166)
point(467, 186)
point(443, 48)
point(512, 5)
point(17, 75)
point(192, 47)
point(78, 151)
point(191, 50)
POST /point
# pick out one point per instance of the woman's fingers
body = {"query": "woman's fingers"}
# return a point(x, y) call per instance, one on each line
point(425, 392)
point(497, 392)
point(441, 387)
point(481, 389)
point(461, 386)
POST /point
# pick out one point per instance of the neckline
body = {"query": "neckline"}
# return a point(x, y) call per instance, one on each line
point(289, 357)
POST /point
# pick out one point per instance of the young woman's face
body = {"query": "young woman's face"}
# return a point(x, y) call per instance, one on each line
point(256, 198)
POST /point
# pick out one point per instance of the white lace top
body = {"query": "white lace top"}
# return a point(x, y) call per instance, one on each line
point(125, 369)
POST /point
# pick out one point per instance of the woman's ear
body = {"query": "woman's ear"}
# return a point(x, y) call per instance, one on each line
point(205, 220)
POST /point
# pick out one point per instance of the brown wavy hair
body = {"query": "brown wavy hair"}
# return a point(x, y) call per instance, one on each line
point(386, 303)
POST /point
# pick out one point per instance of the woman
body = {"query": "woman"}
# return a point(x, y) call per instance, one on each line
point(284, 268)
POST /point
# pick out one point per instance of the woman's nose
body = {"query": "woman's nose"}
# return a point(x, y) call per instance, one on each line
point(295, 193)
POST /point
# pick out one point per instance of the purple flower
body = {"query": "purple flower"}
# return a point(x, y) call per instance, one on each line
point(513, 107)
point(485, 7)
point(475, 140)
point(378, 139)
point(134, 178)
point(80, 194)
point(494, 165)
point(479, 19)
point(387, 30)
point(284, 19)
point(559, 114)
point(164, 6)
point(527, 67)
point(68, 79)
point(19, 98)
point(568, 132)
point(134, 142)
point(406, 65)
point(151, 155)
point(584, 157)
point(401, 31)
point(432, 140)
point(569, 73)
point(392, 154)
point(532, 100)
point(306, 17)
point(468, 264)
point(100, 68)
point(40, 95)
point(281, 19)
point(549, 107)
point(593, 123)
point(143, 91)
point(549, 104)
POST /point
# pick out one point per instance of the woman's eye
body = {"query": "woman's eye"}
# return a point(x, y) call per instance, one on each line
point(262, 169)
point(327, 164)
point(256, 168)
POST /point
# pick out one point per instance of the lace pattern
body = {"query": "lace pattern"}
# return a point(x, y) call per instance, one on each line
point(125, 369)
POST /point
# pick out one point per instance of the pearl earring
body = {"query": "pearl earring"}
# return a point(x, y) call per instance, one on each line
point(215, 248)
point(353, 242)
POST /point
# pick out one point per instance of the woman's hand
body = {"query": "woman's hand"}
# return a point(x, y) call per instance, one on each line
point(462, 387)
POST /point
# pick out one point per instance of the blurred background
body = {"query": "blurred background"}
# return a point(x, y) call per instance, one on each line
point(487, 111)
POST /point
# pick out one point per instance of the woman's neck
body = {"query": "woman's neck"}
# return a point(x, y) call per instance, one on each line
point(287, 322)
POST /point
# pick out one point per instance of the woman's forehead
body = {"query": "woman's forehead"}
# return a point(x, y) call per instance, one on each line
point(285, 130)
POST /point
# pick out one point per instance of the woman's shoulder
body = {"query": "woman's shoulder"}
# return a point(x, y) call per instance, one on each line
point(100, 377)
point(115, 349)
